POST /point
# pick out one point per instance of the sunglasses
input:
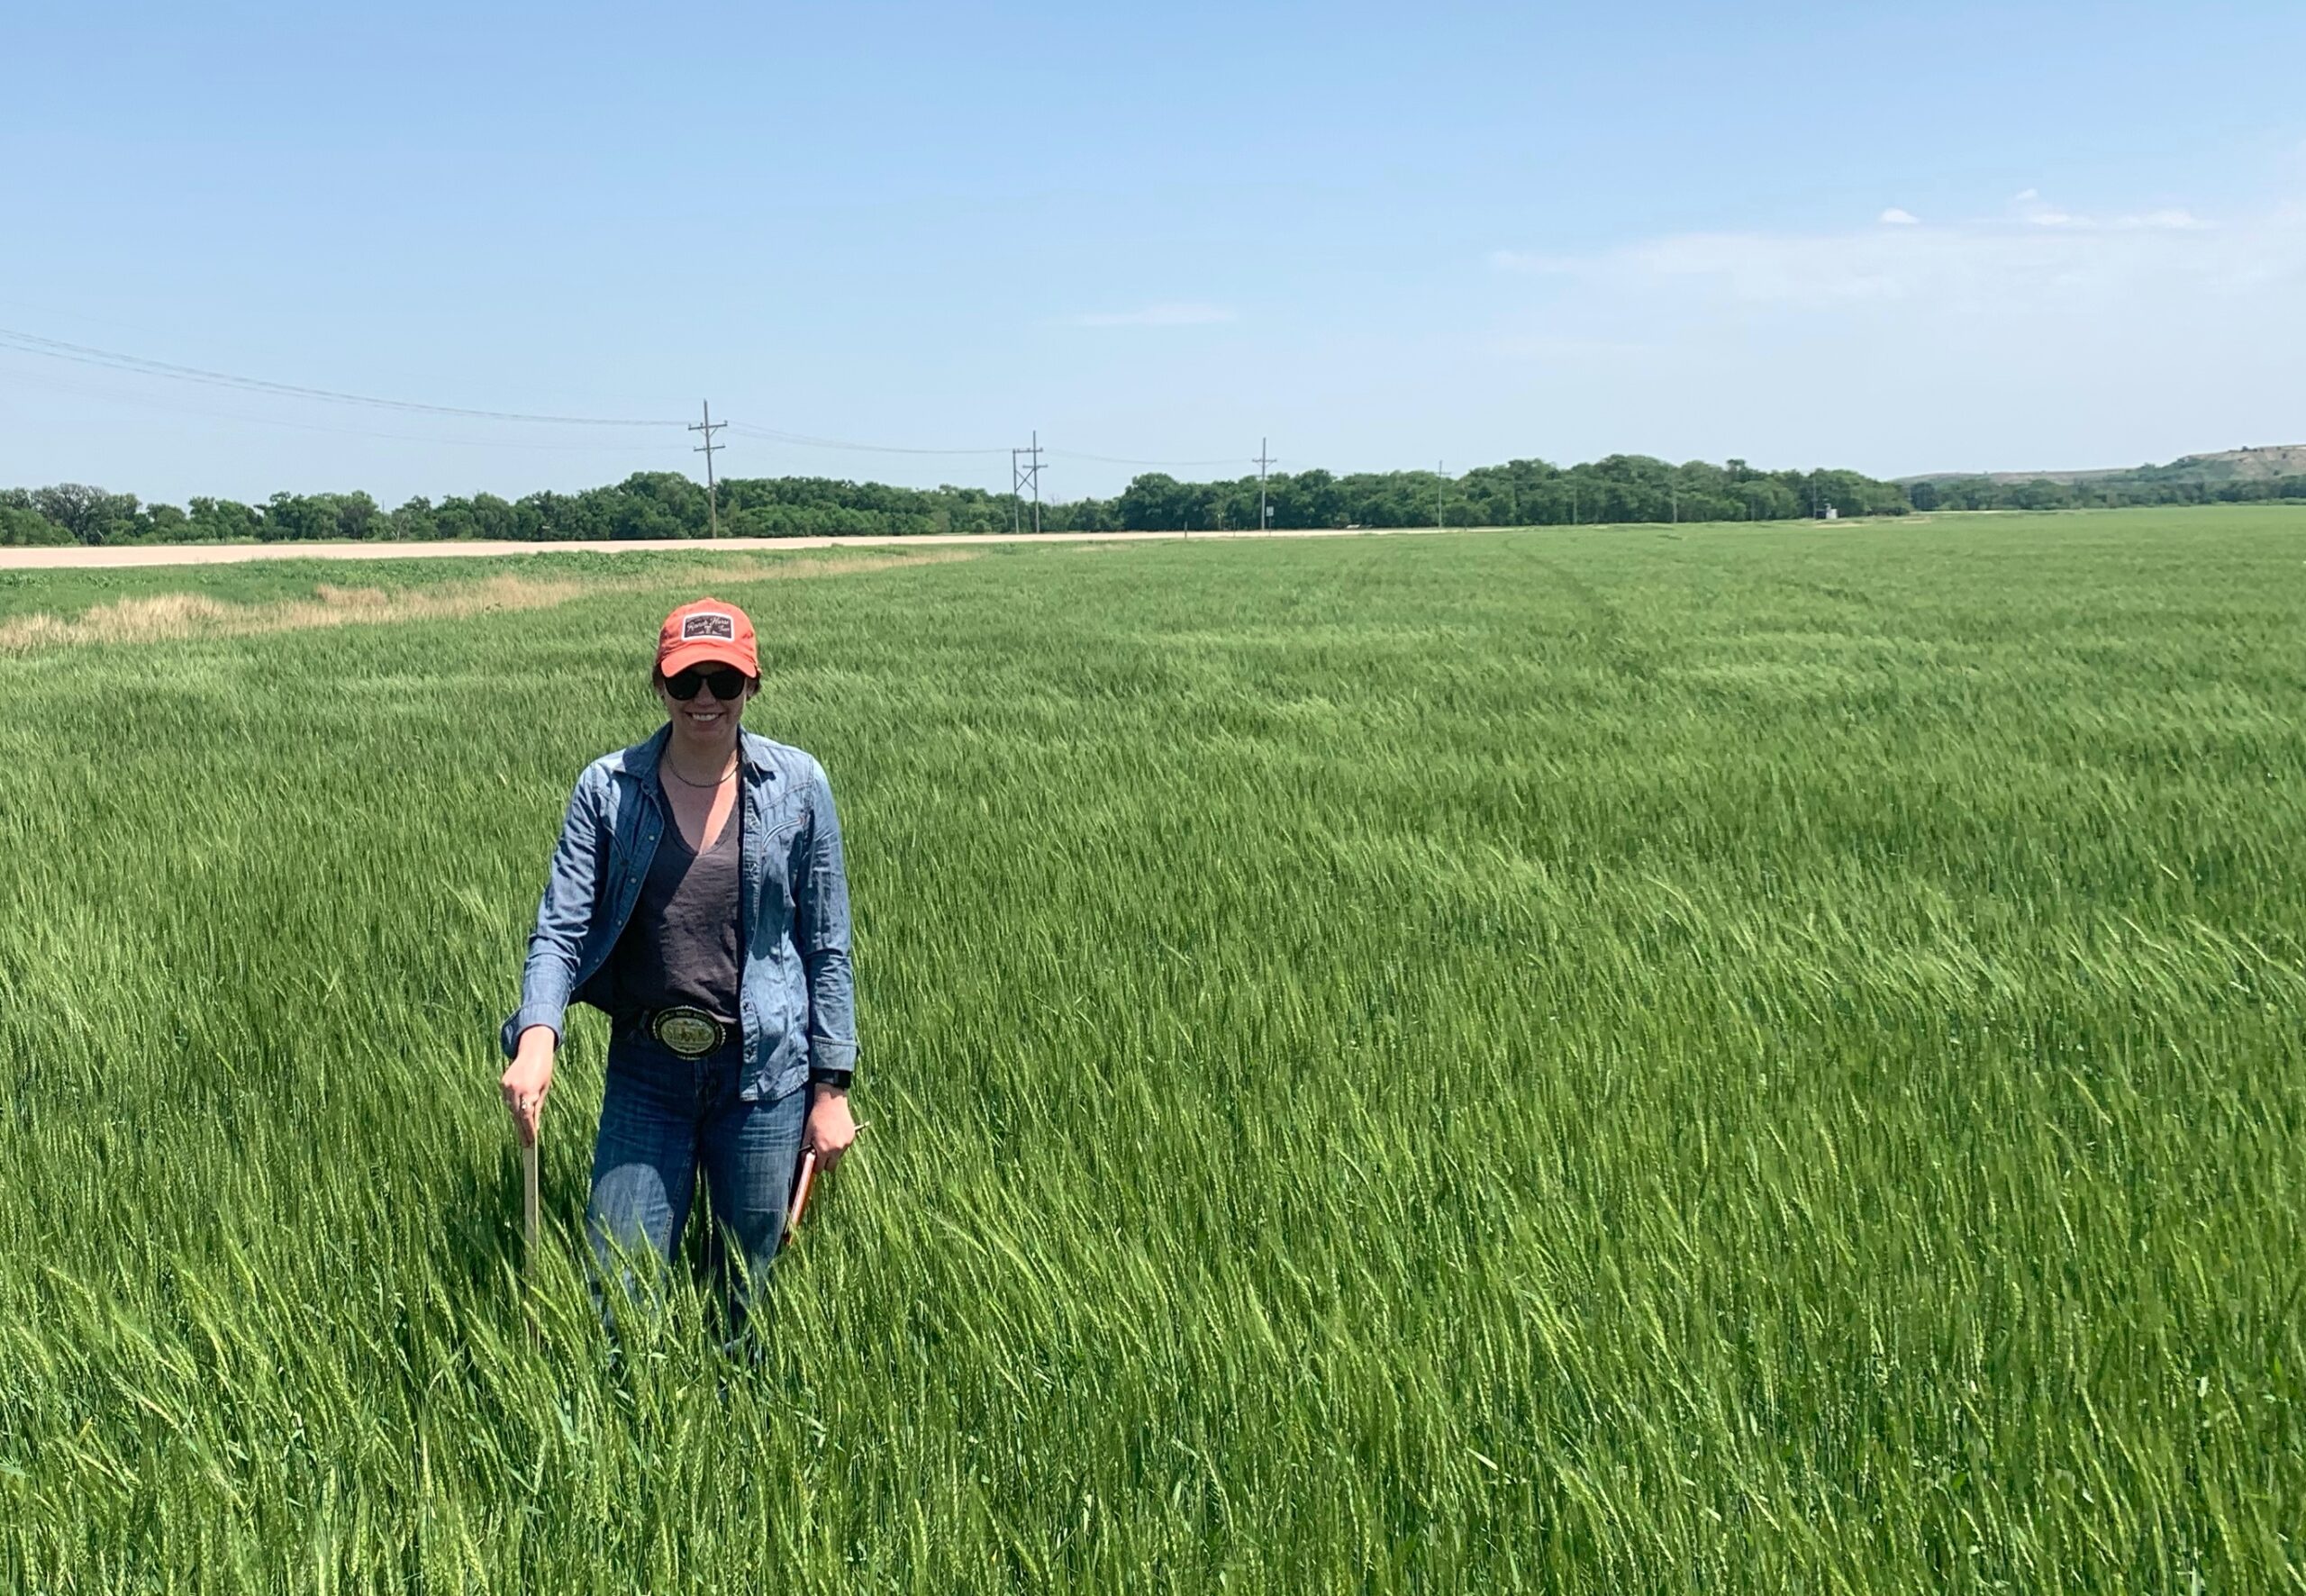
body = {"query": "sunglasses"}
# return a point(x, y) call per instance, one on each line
point(726, 685)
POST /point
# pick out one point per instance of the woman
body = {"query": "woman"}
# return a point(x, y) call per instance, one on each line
point(697, 896)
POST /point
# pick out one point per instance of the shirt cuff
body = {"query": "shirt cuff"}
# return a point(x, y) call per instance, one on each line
point(528, 1014)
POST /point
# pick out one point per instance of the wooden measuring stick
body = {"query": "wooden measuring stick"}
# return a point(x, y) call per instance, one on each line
point(530, 1206)
point(801, 1185)
point(531, 1222)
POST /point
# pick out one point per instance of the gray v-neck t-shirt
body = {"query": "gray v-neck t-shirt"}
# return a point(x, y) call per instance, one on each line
point(680, 946)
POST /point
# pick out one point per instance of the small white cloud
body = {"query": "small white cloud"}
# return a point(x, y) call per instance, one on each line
point(2031, 210)
point(1165, 314)
point(2133, 319)
point(2036, 260)
point(1895, 217)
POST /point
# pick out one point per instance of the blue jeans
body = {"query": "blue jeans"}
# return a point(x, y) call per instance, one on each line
point(661, 1117)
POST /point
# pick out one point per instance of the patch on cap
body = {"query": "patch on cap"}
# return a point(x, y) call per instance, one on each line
point(708, 623)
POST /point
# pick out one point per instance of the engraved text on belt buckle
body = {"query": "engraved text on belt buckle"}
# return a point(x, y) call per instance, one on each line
point(690, 1032)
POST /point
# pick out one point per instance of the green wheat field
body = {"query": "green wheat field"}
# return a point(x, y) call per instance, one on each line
point(1623, 1059)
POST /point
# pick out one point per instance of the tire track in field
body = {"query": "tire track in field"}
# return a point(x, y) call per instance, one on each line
point(1612, 638)
point(1830, 590)
point(156, 617)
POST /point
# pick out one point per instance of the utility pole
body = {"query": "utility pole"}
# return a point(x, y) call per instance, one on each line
point(1265, 459)
point(708, 426)
point(1440, 479)
point(1022, 476)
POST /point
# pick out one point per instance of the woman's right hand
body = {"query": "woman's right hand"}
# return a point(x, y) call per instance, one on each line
point(528, 1078)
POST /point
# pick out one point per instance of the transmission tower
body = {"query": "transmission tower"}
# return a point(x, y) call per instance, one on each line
point(708, 426)
point(1025, 472)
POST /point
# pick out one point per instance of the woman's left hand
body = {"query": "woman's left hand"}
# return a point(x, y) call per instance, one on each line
point(830, 1129)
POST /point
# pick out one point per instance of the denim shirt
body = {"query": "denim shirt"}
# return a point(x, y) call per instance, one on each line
point(796, 997)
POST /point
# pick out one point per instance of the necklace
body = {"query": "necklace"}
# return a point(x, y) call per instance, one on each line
point(666, 764)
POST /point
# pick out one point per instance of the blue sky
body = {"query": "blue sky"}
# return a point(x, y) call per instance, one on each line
point(1898, 238)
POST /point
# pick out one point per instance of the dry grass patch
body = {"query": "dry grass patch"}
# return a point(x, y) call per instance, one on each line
point(165, 615)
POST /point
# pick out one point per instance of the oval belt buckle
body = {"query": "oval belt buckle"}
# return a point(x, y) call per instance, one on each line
point(690, 1032)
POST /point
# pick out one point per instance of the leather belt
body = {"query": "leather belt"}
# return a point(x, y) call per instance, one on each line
point(689, 1033)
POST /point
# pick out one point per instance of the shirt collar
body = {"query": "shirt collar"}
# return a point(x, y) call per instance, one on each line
point(752, 752)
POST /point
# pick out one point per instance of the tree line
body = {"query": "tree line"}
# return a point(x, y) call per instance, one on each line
point(2148, 485)
point(667, 504)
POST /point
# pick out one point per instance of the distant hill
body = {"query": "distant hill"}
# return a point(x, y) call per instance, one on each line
point(2232, 465)
point(2235, 476)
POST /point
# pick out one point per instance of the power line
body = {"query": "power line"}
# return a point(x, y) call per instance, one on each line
point(56, 349)
point(53, 349)
point(806, 440)
point(810, 440)
point(150, 402)
point(708, 426)
point(33, 344)
point(1072, 454)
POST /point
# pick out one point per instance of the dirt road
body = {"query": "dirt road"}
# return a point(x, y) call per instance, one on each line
point(206, 554)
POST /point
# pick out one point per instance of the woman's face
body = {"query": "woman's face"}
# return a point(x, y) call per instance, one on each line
point(707, 718)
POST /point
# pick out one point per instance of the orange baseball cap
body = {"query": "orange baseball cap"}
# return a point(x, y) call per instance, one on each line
point(707, 631)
